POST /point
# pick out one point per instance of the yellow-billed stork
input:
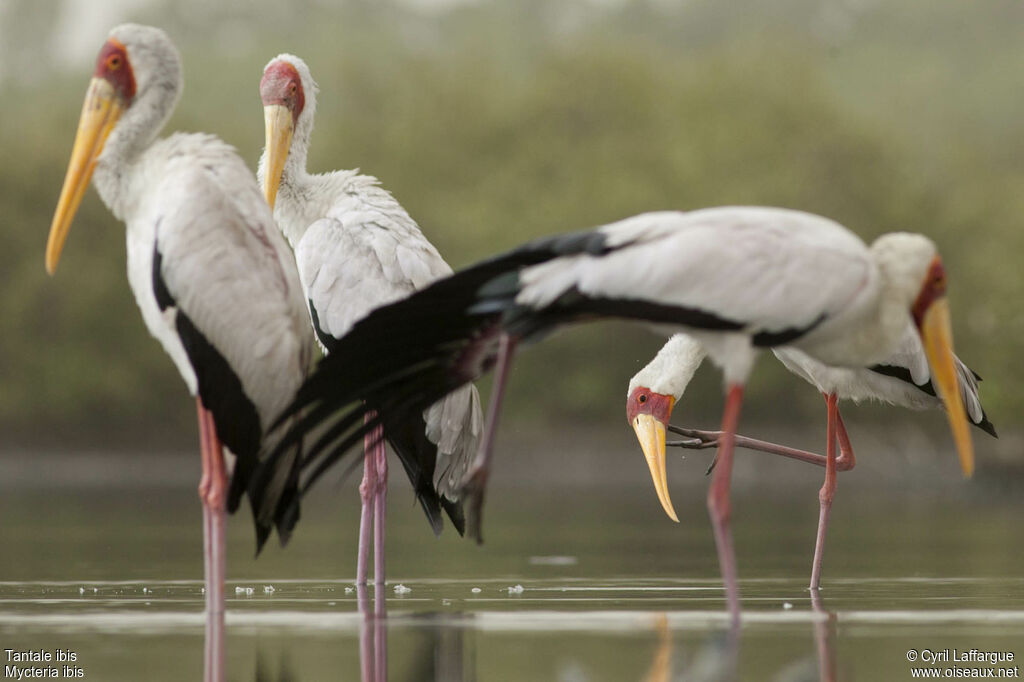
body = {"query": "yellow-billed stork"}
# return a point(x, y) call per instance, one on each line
point(211, 274)
point(357, 249)
point(738, 279)
point(903, 379)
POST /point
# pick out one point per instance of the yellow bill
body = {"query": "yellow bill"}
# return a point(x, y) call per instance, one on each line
point(100, 112)
point(651, 434)
point(937, 337)
point(279, 126)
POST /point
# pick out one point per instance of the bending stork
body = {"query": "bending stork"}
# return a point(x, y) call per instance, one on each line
point(211, 275)
point(358, 249)
point(737, 278)
point(903, 379)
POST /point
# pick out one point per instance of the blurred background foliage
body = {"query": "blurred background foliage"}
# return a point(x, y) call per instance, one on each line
point(495, 122)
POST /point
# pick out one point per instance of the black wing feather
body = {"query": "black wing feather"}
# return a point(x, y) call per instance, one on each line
point(903, 374)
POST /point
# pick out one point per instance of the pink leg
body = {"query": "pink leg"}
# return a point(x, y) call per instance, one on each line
point(380, 513)
point(367, 491)
point(212, 493)
point(719, 506)
point(828, 490)
point(697, 439)
point(846, 459)
point(476, 480)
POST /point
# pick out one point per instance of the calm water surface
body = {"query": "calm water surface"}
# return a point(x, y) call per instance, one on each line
point(574, 584)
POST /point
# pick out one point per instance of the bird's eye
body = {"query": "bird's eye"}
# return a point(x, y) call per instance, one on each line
point(292, 88)
point(114, 62)
point(642, 398)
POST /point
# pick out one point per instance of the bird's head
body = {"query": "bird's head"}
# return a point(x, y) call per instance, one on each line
point(288, 93)
point(648, 413)
point(135, 63)
point(913, 263)
point(652, 394)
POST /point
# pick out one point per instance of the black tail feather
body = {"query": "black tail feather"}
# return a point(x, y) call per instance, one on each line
point(418, 455)
point(283, 510)
point(287, 513)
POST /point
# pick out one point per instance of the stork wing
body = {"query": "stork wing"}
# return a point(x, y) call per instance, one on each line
point(714, 268)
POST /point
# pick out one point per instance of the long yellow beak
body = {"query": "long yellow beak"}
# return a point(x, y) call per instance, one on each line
point(100, 112)
point(937, 337)
point(279, 126)
point(651, 434)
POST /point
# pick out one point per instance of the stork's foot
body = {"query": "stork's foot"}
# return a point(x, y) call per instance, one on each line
point(694, 439)
point(473, 490)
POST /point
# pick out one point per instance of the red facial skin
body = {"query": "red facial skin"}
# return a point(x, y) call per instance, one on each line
point(934, 287)
point(645, 401)
point(112, 65)
point(281, 85)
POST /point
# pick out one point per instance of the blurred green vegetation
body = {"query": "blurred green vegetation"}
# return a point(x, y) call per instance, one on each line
point(500, 121)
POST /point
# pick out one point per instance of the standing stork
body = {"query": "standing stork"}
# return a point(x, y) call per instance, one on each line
point(738, 279)
point(902, 379)
point(357, 249)
point(211, 275)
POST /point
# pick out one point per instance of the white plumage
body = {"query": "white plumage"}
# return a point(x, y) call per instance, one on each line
point(204, 214)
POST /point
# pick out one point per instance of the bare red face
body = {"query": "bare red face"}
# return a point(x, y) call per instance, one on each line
point(645, 401)
point(112, 65)
point(934, 287)
point(281, 85)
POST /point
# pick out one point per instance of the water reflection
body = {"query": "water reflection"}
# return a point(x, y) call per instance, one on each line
point(824, 638)
point(284, 674)
point(446, 653)
point(661, 666)
point(373, 636)
point(716, 660)
point(213, 650)
point(76, 572)
point(822, 667)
